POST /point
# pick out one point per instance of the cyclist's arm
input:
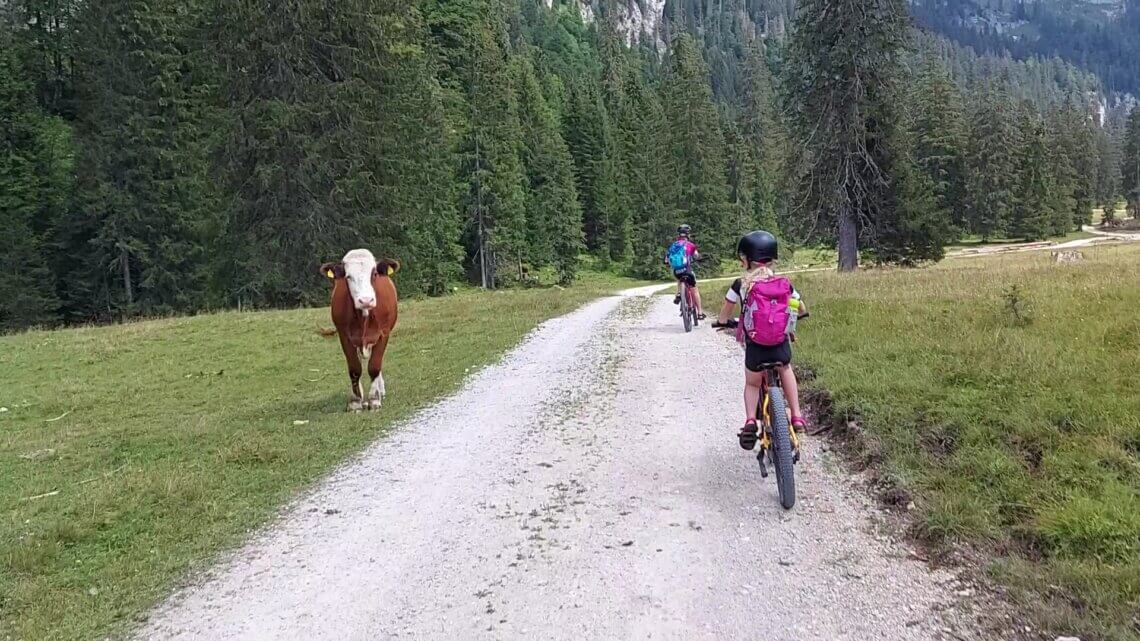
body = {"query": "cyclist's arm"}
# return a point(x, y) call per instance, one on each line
point(726, 312)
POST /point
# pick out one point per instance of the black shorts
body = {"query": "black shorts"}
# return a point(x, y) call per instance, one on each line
point(756, 355)
point(686, 275)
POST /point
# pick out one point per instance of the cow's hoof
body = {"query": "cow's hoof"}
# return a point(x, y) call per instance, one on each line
point(355, 406)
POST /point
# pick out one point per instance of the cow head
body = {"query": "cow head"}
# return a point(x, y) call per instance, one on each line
point(356, 268)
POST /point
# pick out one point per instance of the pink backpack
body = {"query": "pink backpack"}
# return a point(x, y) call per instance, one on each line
point(765, 315)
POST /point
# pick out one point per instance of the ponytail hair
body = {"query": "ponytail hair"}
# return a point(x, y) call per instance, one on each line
point(756, 272)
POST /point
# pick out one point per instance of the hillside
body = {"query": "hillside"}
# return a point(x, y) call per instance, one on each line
point(1101, 36)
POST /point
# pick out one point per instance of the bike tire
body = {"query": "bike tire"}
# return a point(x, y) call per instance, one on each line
point(686, 317)
point(782, 448)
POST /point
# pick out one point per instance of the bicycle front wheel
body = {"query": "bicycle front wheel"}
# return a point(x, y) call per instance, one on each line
point(782, 448)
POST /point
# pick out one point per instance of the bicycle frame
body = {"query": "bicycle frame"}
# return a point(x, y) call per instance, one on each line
point(764, 416)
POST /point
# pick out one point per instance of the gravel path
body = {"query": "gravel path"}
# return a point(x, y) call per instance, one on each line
point(589, 486)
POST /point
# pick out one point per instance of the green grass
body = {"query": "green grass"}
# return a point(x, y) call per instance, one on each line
point(976, 241)
point(1001, 394)
point(177, 436)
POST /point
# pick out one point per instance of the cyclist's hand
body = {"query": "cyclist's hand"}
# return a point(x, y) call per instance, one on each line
point(725, 326)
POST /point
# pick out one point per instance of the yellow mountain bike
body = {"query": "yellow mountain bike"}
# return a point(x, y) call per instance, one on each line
point(779, 445)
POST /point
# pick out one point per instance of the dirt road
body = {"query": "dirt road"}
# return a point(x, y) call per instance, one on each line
point(589, 486)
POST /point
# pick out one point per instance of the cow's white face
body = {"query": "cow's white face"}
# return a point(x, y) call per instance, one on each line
point(359, 265)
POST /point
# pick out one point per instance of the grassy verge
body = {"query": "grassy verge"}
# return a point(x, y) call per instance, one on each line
point(149, 447)
point(999, 395)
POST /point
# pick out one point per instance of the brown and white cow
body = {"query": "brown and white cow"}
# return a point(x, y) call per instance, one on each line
point(364, 313)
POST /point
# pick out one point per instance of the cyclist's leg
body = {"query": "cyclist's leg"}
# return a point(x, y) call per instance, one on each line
point(680, 278)
point(697, 295)
point(791, 389)
point(753, 381)
point(788, 381)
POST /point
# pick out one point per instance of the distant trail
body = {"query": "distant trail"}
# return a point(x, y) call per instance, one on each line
point(1100, 237)
point(589, 486)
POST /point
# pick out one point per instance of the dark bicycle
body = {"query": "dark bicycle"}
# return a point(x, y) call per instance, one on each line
point(689, 312)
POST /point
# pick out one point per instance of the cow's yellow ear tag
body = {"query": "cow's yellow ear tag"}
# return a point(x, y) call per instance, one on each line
point(330, 274)
point(391, 270)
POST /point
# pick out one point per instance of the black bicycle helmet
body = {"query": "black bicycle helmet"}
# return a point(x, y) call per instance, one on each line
point(758, 246)
point(684, 230)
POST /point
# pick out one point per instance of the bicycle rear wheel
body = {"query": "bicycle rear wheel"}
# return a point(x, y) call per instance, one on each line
point(782, 448)
point(686, 316)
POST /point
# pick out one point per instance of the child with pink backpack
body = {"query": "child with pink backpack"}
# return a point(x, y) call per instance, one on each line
point(769, 306)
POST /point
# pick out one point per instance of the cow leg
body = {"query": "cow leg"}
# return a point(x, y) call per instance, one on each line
point(375, 364)
point(352, 357)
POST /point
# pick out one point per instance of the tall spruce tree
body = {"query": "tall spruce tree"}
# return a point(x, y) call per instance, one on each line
point(1032, 215)
point(495, 201)
point(588, 134)
point(1077, 140)
point(938, 129)
point(27, 292)
point(844, 63)
point(643, 133)
point(914, 228)
point(303, 83)
point(991, 163)
point(1130, 164)
point(1108, 154)
point(554, 217)
point(413, 161)
point(697, 147)
point(45, 37)
point(764, 136)
point(137, 236)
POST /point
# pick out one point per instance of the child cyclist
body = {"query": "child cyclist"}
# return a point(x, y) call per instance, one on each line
point(758, 251)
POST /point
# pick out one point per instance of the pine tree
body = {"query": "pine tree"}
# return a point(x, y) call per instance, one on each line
point(844, 64)
point(914, 228)
point(27, 292)
point(303, 84)
point(1130, 164)
point(697, 148)
point(643, 133)
point(46, 40)
point(1032, 214)
point(495, 201)
point(414, 160)
point(554, 217)
point(1077, 141)
point(939, 131)
point(144, 189)
point(1063, 161)
point(1108, 154)
point(991, 164)
point(588, 135)
point(764, 137)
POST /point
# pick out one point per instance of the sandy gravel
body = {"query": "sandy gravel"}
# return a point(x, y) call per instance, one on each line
point(589, 486)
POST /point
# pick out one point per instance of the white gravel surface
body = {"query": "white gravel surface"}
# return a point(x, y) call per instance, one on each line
point(588, 486)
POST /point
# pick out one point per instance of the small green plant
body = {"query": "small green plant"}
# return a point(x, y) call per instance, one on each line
point(1016, 305)
point(1109, 213)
